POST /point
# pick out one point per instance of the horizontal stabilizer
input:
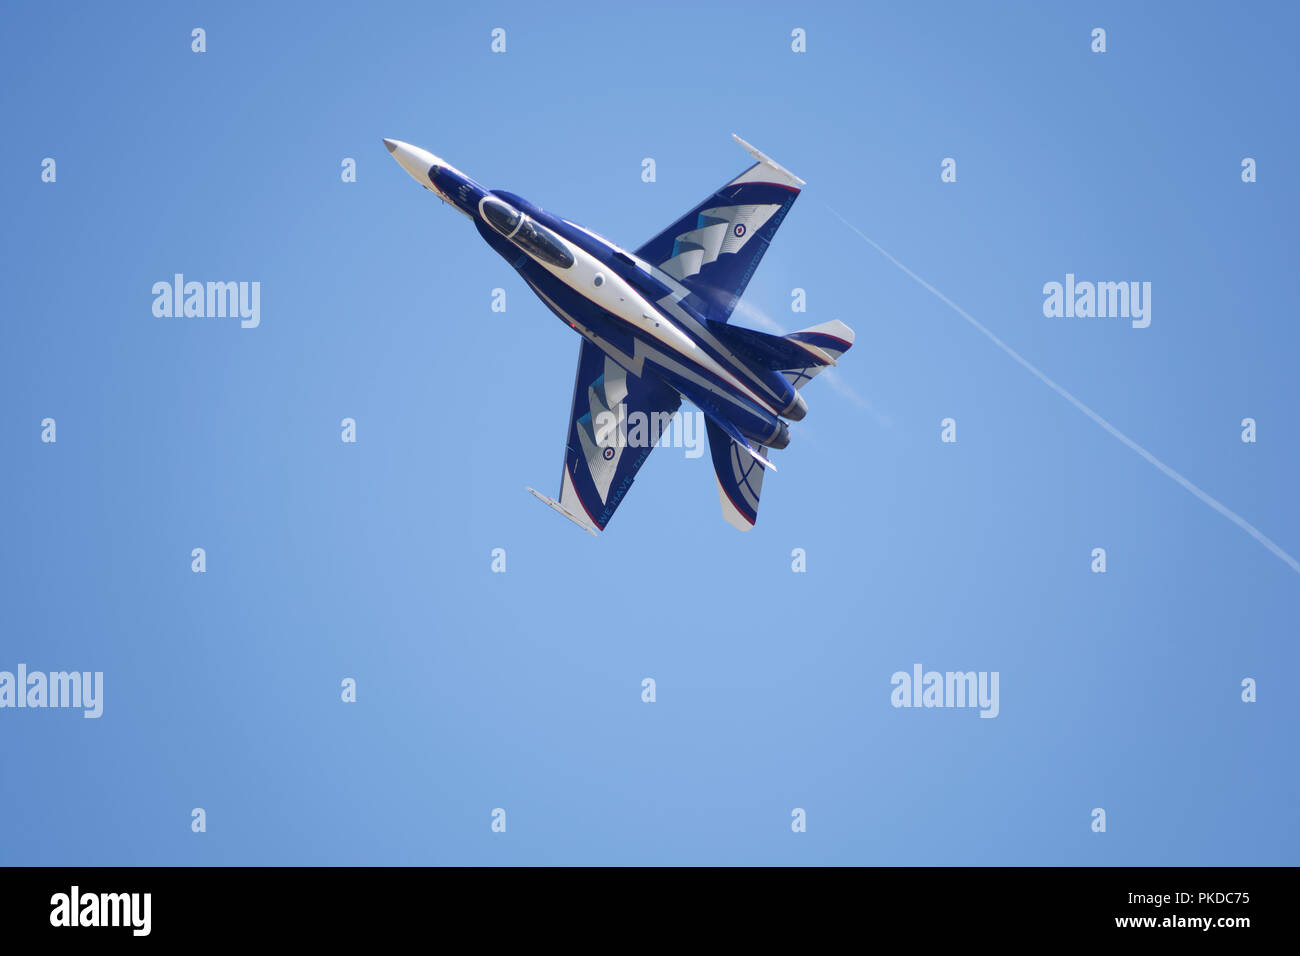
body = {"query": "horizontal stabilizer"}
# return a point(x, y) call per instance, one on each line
point(701, 400)
point(739, 476)
point(831, 339)
point(778, 352)
point(745, 445)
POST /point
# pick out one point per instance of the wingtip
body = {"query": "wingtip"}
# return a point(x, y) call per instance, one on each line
point(556, 506)
point(764, 158)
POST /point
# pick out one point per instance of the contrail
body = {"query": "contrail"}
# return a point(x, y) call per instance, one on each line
point(1218, 506)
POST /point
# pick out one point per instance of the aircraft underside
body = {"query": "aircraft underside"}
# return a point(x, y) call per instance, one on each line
point(655, 327)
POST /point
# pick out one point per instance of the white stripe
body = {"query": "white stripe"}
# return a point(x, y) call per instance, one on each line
point(642, 349)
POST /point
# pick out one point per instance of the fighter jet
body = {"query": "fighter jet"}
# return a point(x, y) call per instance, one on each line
point(655, 330)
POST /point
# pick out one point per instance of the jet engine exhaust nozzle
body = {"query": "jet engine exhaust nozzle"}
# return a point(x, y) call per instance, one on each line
point(797, 409)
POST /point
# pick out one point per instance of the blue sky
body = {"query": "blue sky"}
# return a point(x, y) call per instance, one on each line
point(522, 690)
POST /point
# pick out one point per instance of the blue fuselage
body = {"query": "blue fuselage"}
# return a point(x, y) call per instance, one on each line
point(635, 313)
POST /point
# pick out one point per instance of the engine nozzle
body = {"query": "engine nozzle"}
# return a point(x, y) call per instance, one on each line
point(797, 409)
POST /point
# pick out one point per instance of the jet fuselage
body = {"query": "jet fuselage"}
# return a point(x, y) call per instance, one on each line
point(633, 311)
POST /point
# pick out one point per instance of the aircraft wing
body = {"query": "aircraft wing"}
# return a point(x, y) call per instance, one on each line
point(713, 250)
point(606, 448)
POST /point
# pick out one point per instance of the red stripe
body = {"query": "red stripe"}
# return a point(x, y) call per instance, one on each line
point(825, 335)
point(739, 510)
point(763, 182)
point(583, 503)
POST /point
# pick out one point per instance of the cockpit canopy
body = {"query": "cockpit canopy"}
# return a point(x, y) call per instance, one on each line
point(528, 235)
point(501, 216)
point(542, 243)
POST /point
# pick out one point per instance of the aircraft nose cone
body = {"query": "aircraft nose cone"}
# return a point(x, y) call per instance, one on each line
point(413, 159)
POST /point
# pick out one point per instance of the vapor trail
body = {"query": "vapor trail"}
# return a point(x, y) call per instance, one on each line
point(1214, 503)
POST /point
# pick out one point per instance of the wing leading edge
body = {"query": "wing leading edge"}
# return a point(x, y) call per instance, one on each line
point(714, 249)
point(614, 423)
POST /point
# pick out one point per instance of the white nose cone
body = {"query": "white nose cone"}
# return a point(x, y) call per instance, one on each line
point(414, 160)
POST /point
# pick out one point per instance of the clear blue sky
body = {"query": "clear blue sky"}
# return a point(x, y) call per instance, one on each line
point(522, 690)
